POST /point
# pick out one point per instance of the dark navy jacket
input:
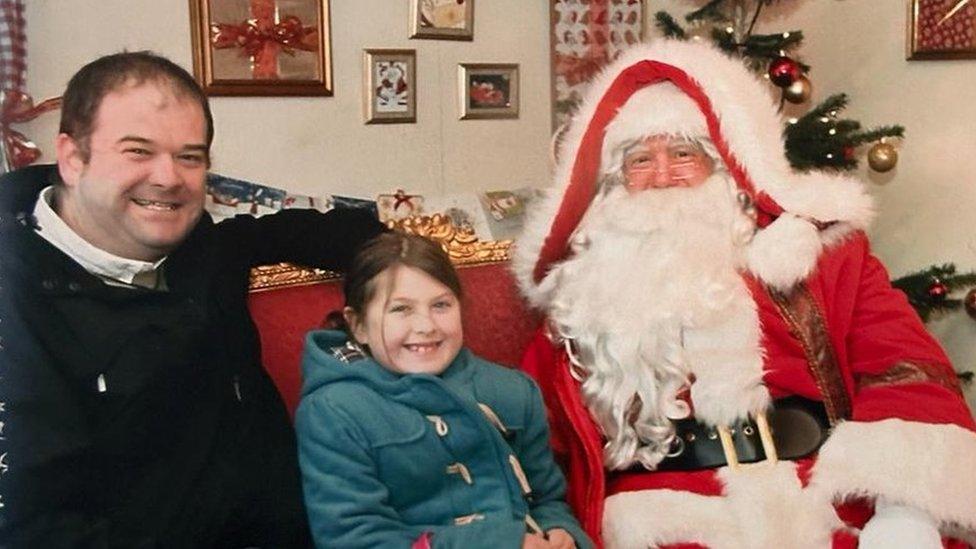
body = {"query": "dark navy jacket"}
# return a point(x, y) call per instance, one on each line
point(140, 418)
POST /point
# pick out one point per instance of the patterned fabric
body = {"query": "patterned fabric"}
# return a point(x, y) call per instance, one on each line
point(13, 45)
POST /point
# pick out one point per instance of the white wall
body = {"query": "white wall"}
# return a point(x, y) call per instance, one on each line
point(320, 145)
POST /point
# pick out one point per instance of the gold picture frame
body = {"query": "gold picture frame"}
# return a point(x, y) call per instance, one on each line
point(389, 86)
point(941, 29)
point(488, 90)
point(262, 47)
point(442, 19)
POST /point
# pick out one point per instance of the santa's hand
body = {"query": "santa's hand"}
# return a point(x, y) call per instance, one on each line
point(899, 527)
point(560, 539)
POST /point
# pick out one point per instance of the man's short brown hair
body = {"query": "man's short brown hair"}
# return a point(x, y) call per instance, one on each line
point(94, 81)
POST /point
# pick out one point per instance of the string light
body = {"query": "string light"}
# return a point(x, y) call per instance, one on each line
point(832, 131)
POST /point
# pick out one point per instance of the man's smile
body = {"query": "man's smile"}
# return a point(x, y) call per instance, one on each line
point(156, 204)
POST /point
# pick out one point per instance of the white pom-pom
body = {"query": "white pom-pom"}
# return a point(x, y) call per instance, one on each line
point(785, 252)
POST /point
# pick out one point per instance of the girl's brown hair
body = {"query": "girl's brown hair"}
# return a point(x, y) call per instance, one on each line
point(388, 250)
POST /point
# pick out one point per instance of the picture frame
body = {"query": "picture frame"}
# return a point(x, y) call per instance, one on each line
point(583, 38)
point(488, 90)
point(941, 29)
point(262, 47)
point(389, 86)
point(442, 19)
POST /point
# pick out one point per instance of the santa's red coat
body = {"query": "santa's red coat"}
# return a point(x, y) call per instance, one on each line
point(907, 434)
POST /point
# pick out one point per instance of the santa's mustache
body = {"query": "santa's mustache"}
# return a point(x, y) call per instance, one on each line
point(662, 209)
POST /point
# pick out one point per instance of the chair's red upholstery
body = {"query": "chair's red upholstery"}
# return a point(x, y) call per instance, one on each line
point(497, 322)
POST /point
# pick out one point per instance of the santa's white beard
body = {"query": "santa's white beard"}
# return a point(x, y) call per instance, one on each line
point(645, 268)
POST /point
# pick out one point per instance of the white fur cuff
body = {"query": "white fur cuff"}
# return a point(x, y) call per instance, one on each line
point(928, 466)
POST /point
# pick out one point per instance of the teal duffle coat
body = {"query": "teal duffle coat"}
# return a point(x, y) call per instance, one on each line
point(391, 459)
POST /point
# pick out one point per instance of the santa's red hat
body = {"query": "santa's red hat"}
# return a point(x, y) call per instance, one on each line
point(692, 89)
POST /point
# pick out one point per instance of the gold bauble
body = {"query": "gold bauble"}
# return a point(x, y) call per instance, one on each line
point(799, 91)
point(882, 157)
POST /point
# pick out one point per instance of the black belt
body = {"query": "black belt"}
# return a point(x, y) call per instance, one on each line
point(799, 427)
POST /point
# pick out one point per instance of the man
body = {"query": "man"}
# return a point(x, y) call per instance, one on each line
point(136, 410)
point(698, 290)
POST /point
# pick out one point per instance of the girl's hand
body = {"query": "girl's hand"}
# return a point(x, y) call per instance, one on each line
point(535, 541)
point(560, 539)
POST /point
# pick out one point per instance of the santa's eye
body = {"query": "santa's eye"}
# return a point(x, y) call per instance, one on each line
point(637, 160)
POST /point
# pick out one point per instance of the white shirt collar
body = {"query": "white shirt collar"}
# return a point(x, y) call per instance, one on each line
point(94, 260)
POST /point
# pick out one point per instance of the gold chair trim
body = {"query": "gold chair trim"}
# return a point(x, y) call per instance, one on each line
point(461, 244)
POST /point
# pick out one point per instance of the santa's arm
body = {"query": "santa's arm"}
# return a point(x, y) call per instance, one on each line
point(910, 439)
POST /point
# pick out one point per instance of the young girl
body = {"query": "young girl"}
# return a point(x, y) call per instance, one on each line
point(406, 439)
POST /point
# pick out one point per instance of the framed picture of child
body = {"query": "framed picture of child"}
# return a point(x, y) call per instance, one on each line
point(262, 47)
point(389, 86)
point(442, 19)
point(488, 90)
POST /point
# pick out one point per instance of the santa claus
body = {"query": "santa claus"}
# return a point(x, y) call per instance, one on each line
point(725, 362)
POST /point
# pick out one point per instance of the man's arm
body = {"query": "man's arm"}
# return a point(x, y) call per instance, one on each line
point(305, 237)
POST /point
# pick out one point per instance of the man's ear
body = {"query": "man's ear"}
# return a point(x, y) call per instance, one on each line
point(355, 324)
point(71, 161)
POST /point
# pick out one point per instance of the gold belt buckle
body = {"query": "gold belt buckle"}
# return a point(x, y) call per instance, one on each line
point(765, 437)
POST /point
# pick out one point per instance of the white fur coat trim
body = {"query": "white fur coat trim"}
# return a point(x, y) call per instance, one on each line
point(762, 506)
point(928, 466)
point(752, 129)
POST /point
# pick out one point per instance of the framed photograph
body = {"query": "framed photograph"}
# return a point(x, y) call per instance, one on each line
point(389, 86)
point(941, 29)
point(262, 47)
point(488, 90)
point(583, 37)
point(442, 19)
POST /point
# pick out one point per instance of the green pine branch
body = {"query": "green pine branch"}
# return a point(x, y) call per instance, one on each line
point(916, 287)
point(820, 140)
point(669, 27)
point(709, 12)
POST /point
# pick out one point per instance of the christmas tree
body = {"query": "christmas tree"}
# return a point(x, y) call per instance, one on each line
point(819, 139)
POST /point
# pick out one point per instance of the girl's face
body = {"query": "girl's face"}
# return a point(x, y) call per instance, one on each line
point(412, 325)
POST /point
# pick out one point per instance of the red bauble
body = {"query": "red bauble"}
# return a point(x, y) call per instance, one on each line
point(849, 153)
point(938, 291)
point(783, 71)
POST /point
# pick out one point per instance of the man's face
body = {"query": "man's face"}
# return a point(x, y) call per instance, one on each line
point(662, 161)
point(142, 190)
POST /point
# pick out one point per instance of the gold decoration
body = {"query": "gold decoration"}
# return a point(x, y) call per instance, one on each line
point(799, 91)
point(461, 244)
point(882, 157)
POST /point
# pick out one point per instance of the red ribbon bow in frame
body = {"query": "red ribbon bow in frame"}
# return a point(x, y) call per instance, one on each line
point(251, 35)
point(16, 108)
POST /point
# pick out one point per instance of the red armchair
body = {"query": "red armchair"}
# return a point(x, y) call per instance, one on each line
point(497, 322)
